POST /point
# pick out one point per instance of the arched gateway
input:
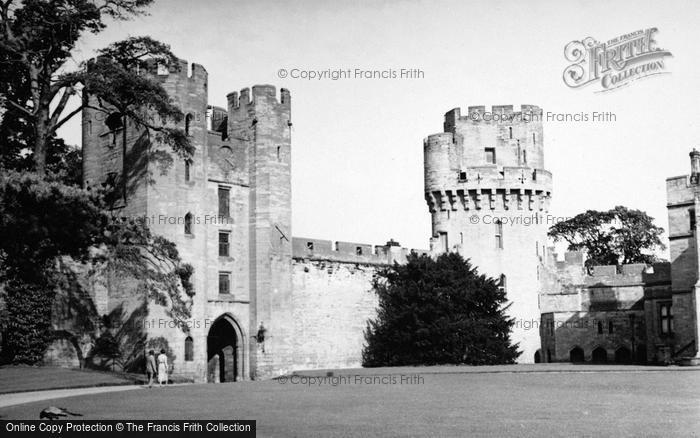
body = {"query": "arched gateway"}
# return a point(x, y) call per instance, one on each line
point(225, 351)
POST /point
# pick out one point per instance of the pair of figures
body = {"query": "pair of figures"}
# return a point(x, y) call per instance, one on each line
point(157, 366)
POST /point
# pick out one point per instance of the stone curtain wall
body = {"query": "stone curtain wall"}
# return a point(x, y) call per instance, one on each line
point(332, 302)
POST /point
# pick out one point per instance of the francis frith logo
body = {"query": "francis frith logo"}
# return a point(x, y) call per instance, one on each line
point(616, 62)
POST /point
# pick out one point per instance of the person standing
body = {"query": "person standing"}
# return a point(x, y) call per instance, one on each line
point(162, 368)
point(151, 367)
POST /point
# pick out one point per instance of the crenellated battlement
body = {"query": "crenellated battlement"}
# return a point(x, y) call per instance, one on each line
point(613, 275)
point(249, 96)
point(350, 252)
point(183, 71)
point(496, 114)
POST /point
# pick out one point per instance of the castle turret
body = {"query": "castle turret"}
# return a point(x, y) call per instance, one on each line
point(258, 117)
point(488, 194)
point(168, 192)
point(694, 162)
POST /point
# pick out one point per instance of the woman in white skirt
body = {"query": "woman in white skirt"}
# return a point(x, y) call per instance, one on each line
point(162, 368)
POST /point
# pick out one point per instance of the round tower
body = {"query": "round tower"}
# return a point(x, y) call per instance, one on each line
point(488, 194)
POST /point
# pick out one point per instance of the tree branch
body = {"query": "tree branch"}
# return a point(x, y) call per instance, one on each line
point(53, 119)
point(67, 117)
point(20, 107)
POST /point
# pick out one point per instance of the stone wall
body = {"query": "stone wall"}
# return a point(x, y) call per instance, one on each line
point(332, 302)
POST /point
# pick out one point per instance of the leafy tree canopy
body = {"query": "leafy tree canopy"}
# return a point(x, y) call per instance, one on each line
point(42, 223)
point(617, 236)
point(36, 84)
point(438, 312)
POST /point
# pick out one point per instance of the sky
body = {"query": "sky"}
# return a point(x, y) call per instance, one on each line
point(357, 144)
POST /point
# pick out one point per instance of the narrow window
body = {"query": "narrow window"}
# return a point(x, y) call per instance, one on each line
point(188, 124)
point(224, 283)
point(461, 238)
point(224, 200)
point(278, 152)
point(358, 250)
point(187, 170)
point(224, 249)
point(189, 349)
point(537, 248)
point(600, 327)
point(524, 157)
point(443, 241)
point(310, 246)
point(691, 212)
point(490, 155)
point(502, 283)
point(499, 234)
point(665, 319)
point(611, 327)
point(510, 132)
point(533, 138)
point(188, 223)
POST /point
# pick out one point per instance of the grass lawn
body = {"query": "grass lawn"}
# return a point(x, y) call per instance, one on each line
point(657, 403)
point(25, 378)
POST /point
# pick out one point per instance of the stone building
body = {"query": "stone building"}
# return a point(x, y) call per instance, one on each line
point(488, 194)
point(267, 303)
point(631, 313)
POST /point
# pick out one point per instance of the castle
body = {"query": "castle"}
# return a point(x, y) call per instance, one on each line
point(268, 303)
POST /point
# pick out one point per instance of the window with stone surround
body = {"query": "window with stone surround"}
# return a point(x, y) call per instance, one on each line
point(188, 124)
point(224, 243)
point(188, 223)
point(665, 318)
point(499, 234)
point(224, 283)
point(691, 214)
point(189, 349)
point(224, 202)
point(490, 155)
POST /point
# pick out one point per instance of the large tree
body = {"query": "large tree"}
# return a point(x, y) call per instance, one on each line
point(44, 218)
point(438, 311)
point(617, 236)
point(36, 41)
point(44, 223)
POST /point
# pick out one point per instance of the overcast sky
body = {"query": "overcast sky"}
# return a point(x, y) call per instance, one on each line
point(357, 166)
